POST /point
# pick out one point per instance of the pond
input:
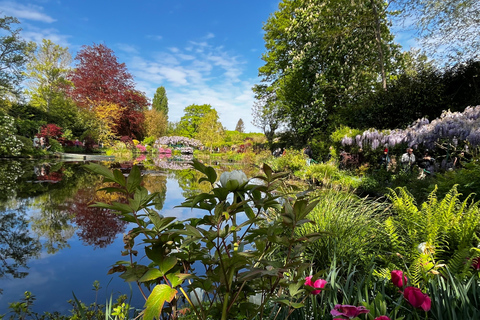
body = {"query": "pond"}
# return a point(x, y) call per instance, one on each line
point(54, 245)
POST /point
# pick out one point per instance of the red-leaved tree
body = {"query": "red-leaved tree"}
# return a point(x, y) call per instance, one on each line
point(100, 77)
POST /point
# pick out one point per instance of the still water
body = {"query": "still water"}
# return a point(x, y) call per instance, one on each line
point(53, 244)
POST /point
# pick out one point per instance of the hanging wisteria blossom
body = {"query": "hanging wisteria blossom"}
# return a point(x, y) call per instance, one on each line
point(455, 127)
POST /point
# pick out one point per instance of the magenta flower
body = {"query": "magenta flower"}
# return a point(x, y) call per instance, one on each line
point(318, 284)
point(417, 298)
point(382, 318)
point(476, 263)
point(398, 279)
point(346, 311)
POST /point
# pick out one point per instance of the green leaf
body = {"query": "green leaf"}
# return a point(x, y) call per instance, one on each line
point(192, 231)
point(134, 179)
point(211, 174)
point(160, 294)
point(101, 170)
point(177, 279)
point(167, 264)
point(119, 177)
point(151, 274)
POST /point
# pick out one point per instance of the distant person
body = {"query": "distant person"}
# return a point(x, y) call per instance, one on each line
point(308, 152)
point(408, 159)
point(385, 160)
point(36, 142)
point(427, 164)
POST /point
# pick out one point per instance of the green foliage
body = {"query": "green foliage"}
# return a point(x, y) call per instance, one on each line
point(437, 232)
point(160, 101)
point(10, 145)
point(55, 146)
point(243, 251)
point(293, 160)
point(351, 224)
point(189, 123)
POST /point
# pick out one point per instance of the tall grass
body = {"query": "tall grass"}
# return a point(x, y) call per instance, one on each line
point(351, 224)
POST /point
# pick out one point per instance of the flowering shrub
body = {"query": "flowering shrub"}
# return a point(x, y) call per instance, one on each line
point(141, 148)
point(10, 145)
point(453, 126)
point(177, 140)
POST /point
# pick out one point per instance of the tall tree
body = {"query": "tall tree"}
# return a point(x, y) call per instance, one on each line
point(448, 29)
point(160, 101)
point(240, 127)
point(210, 129)
point(188, 125)
point(322, 56)
point(266, 111)
point(155, 123)
point(100, 77)
point(14, 53)
point(47, 72)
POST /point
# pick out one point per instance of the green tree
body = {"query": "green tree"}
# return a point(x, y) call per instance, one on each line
point(47, 70)
point(160, 101)
point(266, 111)
point(448, 29)
point(240, 127)
point(210, 129)
point(13, 56)
point(188, 125)
point(322, 56)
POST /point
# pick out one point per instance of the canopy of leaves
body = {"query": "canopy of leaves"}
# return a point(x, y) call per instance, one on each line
point(188, 125)
point(100, 77)
point(240, 127)
point(13, 56)
point(210, 129)
point(323, 55)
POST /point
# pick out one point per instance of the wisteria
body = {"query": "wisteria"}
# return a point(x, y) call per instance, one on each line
point(454, 127)
point(173, 165)
point(176, 141)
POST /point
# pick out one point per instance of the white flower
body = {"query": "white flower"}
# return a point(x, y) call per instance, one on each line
point(422, 247)
point(235, 175)
point(256, 299)
point(199, 293)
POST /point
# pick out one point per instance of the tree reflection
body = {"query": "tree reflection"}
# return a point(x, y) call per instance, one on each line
point(97, 226)
point(157, 183)
point(16, 245)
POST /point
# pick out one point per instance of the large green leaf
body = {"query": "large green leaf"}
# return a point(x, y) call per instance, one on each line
point(134, 179)
point(154, 305)
point(101, 170)
point(151, 274)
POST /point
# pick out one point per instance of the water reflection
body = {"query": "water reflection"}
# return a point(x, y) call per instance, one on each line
point(16, 244)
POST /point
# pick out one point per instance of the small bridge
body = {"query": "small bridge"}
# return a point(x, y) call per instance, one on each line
point(83, 157)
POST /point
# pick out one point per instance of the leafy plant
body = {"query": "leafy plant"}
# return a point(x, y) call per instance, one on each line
point(244, 252)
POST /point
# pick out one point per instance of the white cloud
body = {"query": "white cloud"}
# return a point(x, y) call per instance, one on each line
point(36, 35)
point(154, 37)
point(127, 48)
point(27, 12)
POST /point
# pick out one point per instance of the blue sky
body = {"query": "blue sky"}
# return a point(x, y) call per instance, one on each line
point(201, 51)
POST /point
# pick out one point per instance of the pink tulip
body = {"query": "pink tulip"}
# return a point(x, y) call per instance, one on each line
point(417, 298)
point(347, 311)
point(318, 284)
point(398, 279)
point(382, 318)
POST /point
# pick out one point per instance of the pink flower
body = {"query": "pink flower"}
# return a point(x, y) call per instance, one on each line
point(318, 284)
point(398, 279)
point(417, 298)
point(382, 318)
point(346, 311)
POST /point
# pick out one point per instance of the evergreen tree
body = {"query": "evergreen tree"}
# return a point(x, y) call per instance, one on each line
point(240, 126)
point(160, 101)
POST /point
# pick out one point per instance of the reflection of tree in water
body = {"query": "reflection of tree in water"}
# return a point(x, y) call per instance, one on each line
point(156, 183)
point(52, 223)
point(10, 173)
point(97, 226)
point(16, 245)
point(188, 181)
